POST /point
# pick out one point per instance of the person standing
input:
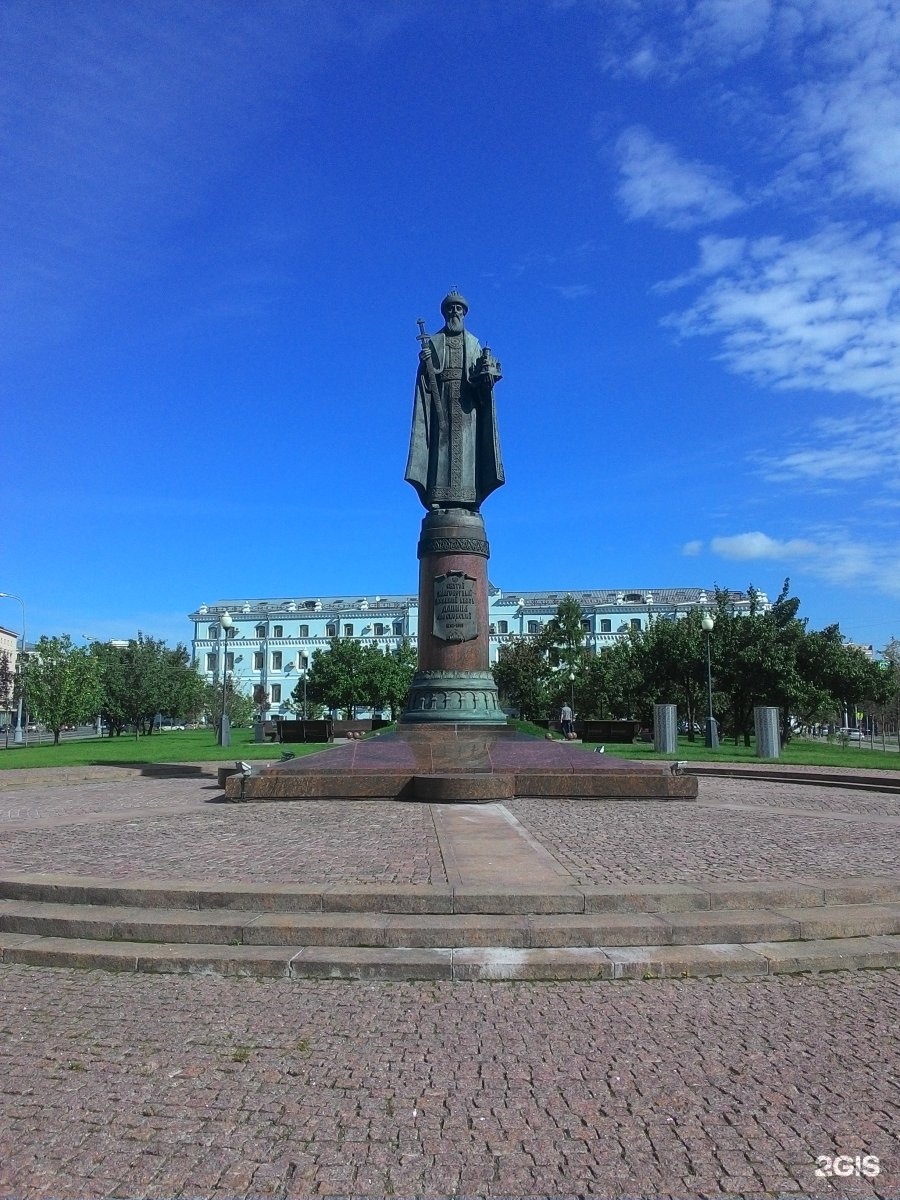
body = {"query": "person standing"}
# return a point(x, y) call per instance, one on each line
point(567, 721)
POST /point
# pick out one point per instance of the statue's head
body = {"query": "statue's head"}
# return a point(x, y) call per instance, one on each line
point(453, 309)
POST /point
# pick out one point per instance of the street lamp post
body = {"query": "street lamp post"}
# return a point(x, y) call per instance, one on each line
point(572, 690)
point(226, 623)
point(18, 736)
point(712, 731)
point(303, 674)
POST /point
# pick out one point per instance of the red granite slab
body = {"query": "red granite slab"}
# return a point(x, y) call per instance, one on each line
point(418, 763)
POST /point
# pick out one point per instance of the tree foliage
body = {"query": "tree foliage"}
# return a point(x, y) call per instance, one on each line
point(144, 678)
point(351, 673)
point(62, 683)
point(521, 676)
point(766, 656)
point(240, 707)
point(6, 682)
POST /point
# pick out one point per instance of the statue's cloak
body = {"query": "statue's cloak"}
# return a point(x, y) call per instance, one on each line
point(478, 447)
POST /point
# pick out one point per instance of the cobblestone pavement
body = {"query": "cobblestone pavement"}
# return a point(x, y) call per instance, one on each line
point(314, 842)
point(169, 1087)
point(740, 829)
point(673, 843)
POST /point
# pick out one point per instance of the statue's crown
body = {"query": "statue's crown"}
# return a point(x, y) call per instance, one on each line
point(453, 297)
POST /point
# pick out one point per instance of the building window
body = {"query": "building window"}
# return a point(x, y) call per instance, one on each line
point(379, 629)
point(213, 632)
point(398, 629)
point(276, 693)
point(586, 625)
point(331, 629)
point(276, 660)
point(634, 598)
point(635, 622)
point(534, 627)
point(302, 662)
point(211, 660)
point(303, 631)
point(229, 662)
point(258, 661)
point(260, 631)
point(606, 626)
point(503, 627)
point(278, 631)
point(348, 631)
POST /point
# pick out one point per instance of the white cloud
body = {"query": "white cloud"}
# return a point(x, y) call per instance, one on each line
point(832, 555)
point(821, 312)
point(745, 546)
point(846, 108)
point(728, 29)
point(658, 185)
point(692, 549)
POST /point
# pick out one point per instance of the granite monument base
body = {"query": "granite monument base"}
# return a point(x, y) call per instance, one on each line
point(461, 764)
point(454, 683)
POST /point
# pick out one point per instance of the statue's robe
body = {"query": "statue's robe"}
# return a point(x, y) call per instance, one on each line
point(454, 451)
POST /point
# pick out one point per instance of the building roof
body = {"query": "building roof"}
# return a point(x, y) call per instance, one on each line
point(589, 597)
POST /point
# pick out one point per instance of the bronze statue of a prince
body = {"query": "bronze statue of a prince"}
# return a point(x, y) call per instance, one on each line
point(454, 451)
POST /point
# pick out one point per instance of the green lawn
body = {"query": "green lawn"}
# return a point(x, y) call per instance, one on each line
point(176, 746)
point(199, 745)
point(798, 752)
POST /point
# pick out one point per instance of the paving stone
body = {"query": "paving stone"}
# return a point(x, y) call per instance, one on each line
point(384, 963)
point(835, 954)
point(845, 920)
point(316, 929)
point(764, 895)
point(517, 898)
point(507, 964)
point(600, 929)
point(395, 898)
point(729, 925)
point(662, 962)
point(669, 897)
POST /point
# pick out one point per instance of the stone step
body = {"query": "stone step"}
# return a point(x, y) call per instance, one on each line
point(521, 931)
point(485, 963)
point(436, 899)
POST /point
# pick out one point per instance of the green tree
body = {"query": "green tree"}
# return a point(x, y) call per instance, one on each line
point(62, 683)
point(400, 668)
point(670, 658)
point(337, 676)
point(143, 678)
point(239, 706)
point(521, 675)
point(563, 636)
point(6, 683)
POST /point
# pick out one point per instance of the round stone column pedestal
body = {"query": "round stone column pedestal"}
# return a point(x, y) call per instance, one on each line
point(453, 682)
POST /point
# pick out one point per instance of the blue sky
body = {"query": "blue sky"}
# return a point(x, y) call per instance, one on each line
point(676, 223)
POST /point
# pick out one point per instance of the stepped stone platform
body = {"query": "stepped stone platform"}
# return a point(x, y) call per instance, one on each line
point(459, 933)
point(756, 878)
point(461, 764)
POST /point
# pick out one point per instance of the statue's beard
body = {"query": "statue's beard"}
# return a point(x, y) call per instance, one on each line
point(454, 324)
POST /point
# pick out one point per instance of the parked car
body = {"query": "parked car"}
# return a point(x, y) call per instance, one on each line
point(852, 735)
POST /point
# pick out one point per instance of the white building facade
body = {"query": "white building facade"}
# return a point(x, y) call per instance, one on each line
point(271, 641)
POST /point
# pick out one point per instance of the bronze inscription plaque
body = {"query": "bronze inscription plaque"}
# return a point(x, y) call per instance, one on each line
point(454, 607)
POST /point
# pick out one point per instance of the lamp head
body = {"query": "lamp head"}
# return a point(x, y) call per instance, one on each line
point(707, 623)
point(226, 620)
